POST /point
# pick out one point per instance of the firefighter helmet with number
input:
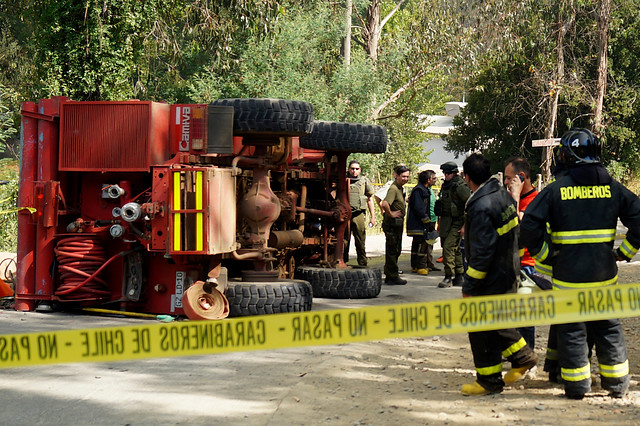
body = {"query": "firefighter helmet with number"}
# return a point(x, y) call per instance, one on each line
point(579, 146)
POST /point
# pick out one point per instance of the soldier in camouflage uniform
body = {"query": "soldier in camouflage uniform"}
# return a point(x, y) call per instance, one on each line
point(454, 194)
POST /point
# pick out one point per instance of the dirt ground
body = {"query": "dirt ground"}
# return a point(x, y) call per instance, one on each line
point(418, 381)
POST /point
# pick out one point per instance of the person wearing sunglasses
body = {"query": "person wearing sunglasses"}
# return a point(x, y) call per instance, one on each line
point(360, 200)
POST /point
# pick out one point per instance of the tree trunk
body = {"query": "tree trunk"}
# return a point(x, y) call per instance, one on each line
point(547, 152)
point(373, 27)
point(372, 36)
point(347, 37)
point(601, 85)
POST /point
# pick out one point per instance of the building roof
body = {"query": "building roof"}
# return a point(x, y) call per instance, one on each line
point(436, 124)
point(439, 125)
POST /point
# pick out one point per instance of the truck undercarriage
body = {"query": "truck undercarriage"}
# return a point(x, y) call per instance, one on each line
point(237, 207)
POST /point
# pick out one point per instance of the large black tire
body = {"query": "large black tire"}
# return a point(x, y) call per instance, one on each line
point(261, 298)
point(346, 137)
point(349, 283)
point(281, 117)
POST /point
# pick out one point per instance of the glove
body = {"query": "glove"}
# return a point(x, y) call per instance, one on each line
point(619, 257)
point(431, 237)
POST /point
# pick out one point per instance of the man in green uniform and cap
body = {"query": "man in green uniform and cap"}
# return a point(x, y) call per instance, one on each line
point(360, 199)
point(454, 194)
point(394, 207)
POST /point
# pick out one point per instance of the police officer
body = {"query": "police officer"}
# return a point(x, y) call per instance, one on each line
point(360, 199)
point(453, 196)
point(394, 207)
point(580, 211)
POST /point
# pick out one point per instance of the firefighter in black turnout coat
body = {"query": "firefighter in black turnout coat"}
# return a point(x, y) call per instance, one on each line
point(491, 248)
point(570, 228)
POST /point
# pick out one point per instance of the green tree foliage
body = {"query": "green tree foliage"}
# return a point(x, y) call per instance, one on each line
point(501, 54)
point(301, 58)
point(298, 59)
point(623, 114)
point(7, 125)
point(119, 49)
point(16, 73)
point(199, 42)
point(418, 65)
point(8, 205)
point(88, 50)
point(508, 91)
point(517, 79)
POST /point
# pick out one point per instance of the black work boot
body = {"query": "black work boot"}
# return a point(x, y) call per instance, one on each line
point(395, 281)
point(458, 280)
point(576, 396)
point(446, 282)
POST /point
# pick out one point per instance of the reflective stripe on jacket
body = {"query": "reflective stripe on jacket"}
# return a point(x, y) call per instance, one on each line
point(491, 241)
point(418, 210)
point(582, 219)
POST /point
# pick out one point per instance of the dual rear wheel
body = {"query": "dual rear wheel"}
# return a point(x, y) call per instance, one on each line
point(296, 295)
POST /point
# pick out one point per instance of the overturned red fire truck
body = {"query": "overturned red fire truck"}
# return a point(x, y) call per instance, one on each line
point(237, 207)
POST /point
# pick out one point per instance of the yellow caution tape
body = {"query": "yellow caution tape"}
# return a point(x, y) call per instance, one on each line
point(314, 328)
point(17, 209)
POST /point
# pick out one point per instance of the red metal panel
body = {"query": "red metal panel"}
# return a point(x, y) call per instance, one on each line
point(160, 194)
point(166, 284)
point(306, 154)
point(26, 228)
point(47, 174)
point(113, 136)
point(159, 133)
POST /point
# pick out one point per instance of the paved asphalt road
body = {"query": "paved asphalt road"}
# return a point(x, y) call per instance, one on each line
point(238, 388)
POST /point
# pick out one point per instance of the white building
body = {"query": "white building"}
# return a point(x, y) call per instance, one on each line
point(435, 127)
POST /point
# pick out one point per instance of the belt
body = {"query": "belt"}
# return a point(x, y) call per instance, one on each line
point(355, 213)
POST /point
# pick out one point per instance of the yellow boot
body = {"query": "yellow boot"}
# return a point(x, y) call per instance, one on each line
point(422, 271)
point(516, 374)
point(474, 389)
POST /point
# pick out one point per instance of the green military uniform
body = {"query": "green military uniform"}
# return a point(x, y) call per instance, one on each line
point(453, 196)
point(434, 220)
point(361, 190)
point(392, 228)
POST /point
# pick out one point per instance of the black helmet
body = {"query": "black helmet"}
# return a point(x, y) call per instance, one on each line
point(579, 146)
point(449, 167)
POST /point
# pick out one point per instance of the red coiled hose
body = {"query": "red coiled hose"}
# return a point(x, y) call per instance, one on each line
point(80, 261)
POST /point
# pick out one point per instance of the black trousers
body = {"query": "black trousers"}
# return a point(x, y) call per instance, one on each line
point(393, 248)
point(574, 355)
point(488, 348)
point(419, 252)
